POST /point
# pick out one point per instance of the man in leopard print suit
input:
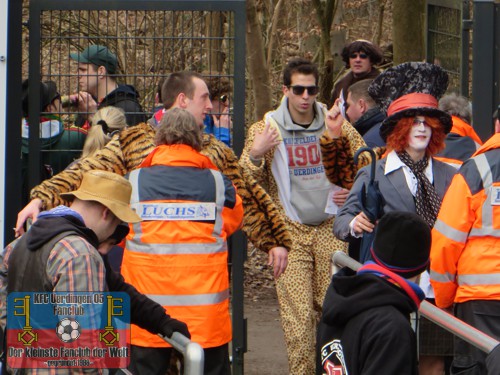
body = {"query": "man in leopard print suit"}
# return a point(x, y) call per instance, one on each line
point(283, 153)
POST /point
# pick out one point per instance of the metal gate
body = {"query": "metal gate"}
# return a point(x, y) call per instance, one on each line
point(448, 40)
point(450, 29)
point(151, 38)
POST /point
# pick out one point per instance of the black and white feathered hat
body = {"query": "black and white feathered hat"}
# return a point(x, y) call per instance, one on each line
point(410, 89)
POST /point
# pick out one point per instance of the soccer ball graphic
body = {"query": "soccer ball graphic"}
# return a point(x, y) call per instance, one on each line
point(68, 330)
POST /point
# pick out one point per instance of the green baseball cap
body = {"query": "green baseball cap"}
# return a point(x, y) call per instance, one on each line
point(97, 55)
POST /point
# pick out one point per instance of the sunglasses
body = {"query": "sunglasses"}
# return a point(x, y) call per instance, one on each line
point(361, 55)
point(299, 90)
point(417, 121)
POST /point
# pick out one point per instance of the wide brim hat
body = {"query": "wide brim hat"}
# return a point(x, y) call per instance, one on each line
point(402, 243)
point(408, 90)
point(109, 189)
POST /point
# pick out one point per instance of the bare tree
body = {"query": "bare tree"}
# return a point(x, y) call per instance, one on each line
point(408, 19)
point(257, 64)
point(325, 10)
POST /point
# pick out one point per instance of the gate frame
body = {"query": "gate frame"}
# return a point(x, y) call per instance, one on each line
point(463, 7)
point(238, 248)
point(10, 149)
point(485, 65)
point(485, 27)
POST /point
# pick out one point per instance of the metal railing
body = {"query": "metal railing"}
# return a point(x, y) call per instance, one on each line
point(466, 332)
point(194, 356)
point(192, 352)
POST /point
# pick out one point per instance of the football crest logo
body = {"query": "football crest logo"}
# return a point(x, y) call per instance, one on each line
point(332, 359)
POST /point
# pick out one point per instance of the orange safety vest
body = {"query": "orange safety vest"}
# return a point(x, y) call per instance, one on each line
point(460, 127)
point(177, 255)
point(461, 143)
point(465, 253)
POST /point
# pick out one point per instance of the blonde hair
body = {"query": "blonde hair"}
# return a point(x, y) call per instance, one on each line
point(105, 123)
point(178, 126)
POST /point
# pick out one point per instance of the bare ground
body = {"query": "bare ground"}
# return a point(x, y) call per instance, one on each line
point(266, 346)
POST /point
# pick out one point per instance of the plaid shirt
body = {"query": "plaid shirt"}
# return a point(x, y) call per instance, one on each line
point(74, 265)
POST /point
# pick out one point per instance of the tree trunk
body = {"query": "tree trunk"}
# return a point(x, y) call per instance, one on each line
point(324, 13)
point(273, 33)
point(380, 22)
point(257, 66)
point(408, 18)
point(215, 30)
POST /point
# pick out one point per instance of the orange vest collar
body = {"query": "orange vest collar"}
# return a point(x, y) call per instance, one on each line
point(177, 155)
point(460, 127)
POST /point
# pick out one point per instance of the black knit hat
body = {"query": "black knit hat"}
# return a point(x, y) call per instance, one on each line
point(402, 243)
point(48, 93)
point(408, 90)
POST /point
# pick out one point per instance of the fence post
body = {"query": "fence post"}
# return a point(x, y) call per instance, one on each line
point(485, 66)
point(10, 200)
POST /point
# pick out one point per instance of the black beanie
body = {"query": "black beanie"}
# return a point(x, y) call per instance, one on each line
point(402, 243)
point(48, 93)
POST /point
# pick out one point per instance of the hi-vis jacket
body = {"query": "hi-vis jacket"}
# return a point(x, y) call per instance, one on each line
point(461, 142)
point(465, 256)
point(177, 255)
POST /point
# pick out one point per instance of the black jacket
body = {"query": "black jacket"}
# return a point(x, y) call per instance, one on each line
point(368, 126)
point(365, 327)
point(125, 97)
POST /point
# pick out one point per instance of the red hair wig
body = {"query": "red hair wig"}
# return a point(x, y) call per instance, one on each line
point(398, 139)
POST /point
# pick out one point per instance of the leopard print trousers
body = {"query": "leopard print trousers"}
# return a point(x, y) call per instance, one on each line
point(302, 288)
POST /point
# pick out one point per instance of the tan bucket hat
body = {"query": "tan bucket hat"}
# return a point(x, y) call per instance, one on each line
point(110, 189)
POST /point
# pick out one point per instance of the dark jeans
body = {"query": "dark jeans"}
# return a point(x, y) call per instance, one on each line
point(156, 361)
point(485, 316)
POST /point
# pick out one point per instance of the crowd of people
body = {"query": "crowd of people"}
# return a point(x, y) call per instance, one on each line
point(421, 216)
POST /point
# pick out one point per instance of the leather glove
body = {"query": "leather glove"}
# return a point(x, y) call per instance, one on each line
point(174, 325)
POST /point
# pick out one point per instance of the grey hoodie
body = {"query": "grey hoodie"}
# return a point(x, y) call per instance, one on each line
point(309, 185)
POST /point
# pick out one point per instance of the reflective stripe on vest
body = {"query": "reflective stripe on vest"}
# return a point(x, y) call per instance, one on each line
point(175, 248)
point(450, 232)
point(470, 279)
point(218, 246)
point(190, 299)
point(442, 277)
point(479, 279)
point(484, 169)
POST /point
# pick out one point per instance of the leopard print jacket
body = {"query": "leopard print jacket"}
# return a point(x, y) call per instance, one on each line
point(126, 151)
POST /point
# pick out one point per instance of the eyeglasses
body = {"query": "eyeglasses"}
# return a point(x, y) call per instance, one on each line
point(360, 54)
point(223, 98)
point(417, 121)
point(299, 90)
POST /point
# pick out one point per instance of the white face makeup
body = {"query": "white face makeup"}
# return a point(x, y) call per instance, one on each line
point(420, 135)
